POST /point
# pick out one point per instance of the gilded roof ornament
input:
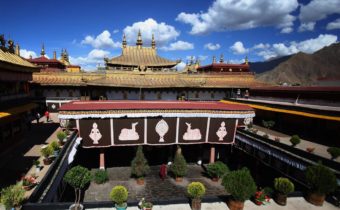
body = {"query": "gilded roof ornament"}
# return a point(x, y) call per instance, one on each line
point(221, 58)
point(124, 43)
point(42, 53)
point(246, 60)
point(153, 42)
point(214, 59)
point(139, 42)
point(17, 49)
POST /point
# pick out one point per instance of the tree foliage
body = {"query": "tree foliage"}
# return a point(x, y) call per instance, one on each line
point(139, 165)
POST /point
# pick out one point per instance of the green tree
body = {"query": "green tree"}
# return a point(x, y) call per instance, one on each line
point(139, 165)
point(179, 167)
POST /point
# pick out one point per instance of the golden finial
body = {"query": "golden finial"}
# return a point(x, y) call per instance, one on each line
point(124, 41)
point(246, 60)
point(214, 59)
point(17, 49)
point(221, 58)
point(54, 55)
point(153, 42)
point(42, 53)
point(139, 39)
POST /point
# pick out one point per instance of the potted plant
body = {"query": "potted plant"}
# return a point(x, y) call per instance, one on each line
point(61, 135)
point(240, 184)
point(321, 181)
point(261, 197)
point(145, 205)
point(179, 167)
point(47, 151)
point(217, 170)
point(28, 182)
point(100, 176)
point(283, 187)
point(36, 163)
point(119, 195)
point(12, 196)
point(334, 152)
point(139, 166)
point(295, 140)
point(196, 190)
point(56, 148)
point(268, 124)
point(78, 177)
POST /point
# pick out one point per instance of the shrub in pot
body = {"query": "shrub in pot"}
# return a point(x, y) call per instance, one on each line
point(196, 190)
point(241, 185)
point(47, 151)
point(321, 181)
point(100, 176)
point(295, 140)
point(334, 152)
point(179, 167)
point(55, 146)
point(12, 196)
point(283, 187)
point(78, 177)
point(139, 166)
point(217, 170)
point(119, 195)
point(61, 135)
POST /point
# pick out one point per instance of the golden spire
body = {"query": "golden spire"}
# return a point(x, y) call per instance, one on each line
point(221, 58)
point(54, 55)
point(42, 53)
point(124, 41)
point(153, 42)
point(139, 42)
point(214, 59)
point(246, 60)
point(17, 49)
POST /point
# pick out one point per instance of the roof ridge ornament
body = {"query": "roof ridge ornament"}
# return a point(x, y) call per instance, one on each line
point(124, 41)
point(246, 60)
point(221, 58)
point(214, 59)
point(153, 42)
point(42, 53)
point(139, 42)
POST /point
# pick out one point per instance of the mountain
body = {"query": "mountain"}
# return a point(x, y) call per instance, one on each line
point(260, 67)
point(306, 69)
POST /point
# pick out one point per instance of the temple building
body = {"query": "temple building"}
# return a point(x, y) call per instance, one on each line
point(15, 103)
point(139, 58)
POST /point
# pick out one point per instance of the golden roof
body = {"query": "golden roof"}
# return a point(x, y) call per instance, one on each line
point(12, 58)
point(147, 79)
point(140, 56)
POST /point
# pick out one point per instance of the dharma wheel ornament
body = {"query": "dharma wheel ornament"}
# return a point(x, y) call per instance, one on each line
point(162, 128)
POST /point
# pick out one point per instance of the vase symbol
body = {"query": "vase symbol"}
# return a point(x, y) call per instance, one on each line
point(95, 134)
point(162, 128)
point(222, 131)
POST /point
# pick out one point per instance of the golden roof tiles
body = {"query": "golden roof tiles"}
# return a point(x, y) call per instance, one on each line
point(12, 58)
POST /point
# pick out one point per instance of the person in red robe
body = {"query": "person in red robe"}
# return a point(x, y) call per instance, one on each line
point(47, 115)
point(163, 172)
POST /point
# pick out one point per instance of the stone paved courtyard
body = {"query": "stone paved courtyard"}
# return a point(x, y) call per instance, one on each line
point(154, 188)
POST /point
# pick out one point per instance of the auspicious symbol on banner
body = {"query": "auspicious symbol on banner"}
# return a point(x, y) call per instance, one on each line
point(248, 120)
point(192, 134)
point(95, 134)
point(162, 128)
point(129, 134)
point(221, 132)
point(53, 106)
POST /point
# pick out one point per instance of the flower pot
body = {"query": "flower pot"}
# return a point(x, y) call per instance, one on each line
point(280, 199)
point(37, 169)
point(235, 205)
point(196, 204)
point(122, 207)
point(179, 179)
point(47, 161)
point(316, 199)
point(76, 207)
point(215, 179)
point(28, 187)
point(140, 181)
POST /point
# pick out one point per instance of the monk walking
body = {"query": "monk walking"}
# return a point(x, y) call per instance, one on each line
point(163, 172)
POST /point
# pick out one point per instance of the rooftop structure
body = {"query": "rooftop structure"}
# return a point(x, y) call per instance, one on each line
point(139, 58)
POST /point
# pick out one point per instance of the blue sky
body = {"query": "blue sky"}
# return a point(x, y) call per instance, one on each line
point(91, 30)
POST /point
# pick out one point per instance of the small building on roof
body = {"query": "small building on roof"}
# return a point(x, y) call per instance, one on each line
point(139, 58)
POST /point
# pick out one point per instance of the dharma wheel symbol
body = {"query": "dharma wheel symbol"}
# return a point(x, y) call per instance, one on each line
point(162, 128)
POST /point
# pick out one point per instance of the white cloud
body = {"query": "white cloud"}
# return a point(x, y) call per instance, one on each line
point(318, 10)
point(238, 48)
point(211, 46)
point(180, 66)
point(287, 30)
point(27, 53)
point(115, 31)
point(243, 14)
point(333, 25)
point(93, 59)
point(307, 46)
point(103, 40)
point(261, 46)
point(179, 45)
point(236, 61)
point(307, 26)
point(163, 33)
